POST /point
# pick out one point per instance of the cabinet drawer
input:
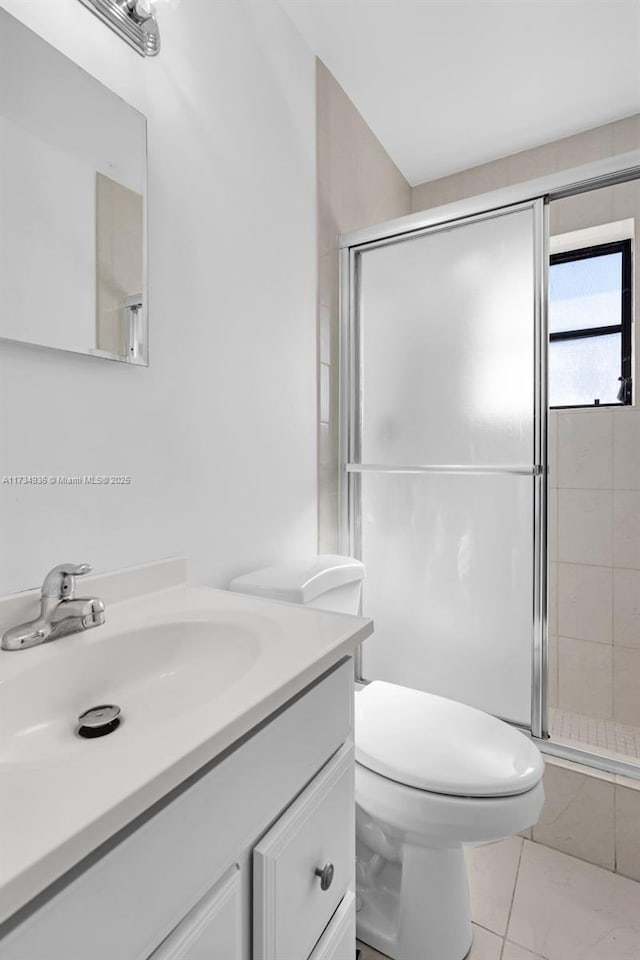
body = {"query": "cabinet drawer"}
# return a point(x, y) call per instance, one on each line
point(212, 929)
point(290, 907)
point(338, 942)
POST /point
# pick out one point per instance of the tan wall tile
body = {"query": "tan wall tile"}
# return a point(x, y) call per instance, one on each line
point(585, 602)
point(577, 817)
point(585, 449)
point(552, 447)
point(485, 178)
point(626, 685)
point(585, 147)
point(583, 210)
point(626, 529)
point(553, 598)
point(626, 608)
point(584, 527)
point(358, 186)
point(552, 671)
point(627, 828)
point(530, 164)
point(626, 449)
point(585, 677)
point(435, 193)
point(626, 134)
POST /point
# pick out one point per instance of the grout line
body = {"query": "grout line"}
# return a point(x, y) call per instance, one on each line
point(513, 897)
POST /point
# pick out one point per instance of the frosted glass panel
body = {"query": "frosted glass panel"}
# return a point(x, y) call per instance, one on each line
point(584, 370)
point(448, 564)
point(447, 346)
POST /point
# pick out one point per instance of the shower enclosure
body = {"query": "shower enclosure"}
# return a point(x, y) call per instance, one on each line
point(444, 446)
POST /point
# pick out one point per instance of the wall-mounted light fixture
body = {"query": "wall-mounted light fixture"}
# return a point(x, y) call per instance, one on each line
point(133, 20)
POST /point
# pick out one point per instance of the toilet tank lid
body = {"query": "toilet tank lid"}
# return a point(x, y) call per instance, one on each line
point(300, 580)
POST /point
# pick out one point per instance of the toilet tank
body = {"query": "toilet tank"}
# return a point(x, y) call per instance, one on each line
point(325, 582)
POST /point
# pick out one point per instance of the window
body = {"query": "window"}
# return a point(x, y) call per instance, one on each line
point(590, 326)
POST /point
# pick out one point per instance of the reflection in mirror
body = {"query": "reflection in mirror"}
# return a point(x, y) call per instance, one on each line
point(72, 205)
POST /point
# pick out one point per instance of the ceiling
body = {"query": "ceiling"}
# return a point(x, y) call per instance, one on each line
point(448, 84)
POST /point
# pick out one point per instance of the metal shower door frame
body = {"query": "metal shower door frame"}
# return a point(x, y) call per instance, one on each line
point(351, 403)
point(536, 194)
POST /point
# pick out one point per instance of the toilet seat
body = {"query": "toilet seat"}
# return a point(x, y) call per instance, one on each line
point(437, 745)
point(435, 819)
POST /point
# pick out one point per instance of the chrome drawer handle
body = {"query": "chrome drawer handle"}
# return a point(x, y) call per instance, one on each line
point(326, 875)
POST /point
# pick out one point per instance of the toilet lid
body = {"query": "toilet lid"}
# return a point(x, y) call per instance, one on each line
point(440, 745)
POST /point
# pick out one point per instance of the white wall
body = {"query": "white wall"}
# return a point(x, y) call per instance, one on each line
point(218, 434)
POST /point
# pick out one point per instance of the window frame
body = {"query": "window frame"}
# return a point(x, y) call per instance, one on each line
point(624, 327)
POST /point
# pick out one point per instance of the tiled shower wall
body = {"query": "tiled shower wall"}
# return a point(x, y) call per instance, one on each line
point(594, 526)
point(594, 523)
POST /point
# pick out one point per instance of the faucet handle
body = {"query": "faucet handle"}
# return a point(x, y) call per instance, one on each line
point(60, 583)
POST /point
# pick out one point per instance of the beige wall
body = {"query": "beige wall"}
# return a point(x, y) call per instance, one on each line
point(597, 144)
point(358, 185)
point(594, 459)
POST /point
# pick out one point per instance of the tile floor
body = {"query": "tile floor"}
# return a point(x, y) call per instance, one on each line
point(529, 902)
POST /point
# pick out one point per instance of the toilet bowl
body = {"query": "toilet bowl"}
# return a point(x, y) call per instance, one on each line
point(431, 776)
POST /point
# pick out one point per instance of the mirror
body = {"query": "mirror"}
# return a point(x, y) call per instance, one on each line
point(73, 173)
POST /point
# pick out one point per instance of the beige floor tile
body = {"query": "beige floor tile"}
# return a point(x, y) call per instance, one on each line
point(486, 946)
point(492, 873)
point(513, 952)
point(565, 909)
point(368, 953)
point(577, 816)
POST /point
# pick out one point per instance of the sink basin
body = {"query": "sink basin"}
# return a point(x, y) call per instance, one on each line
point(156, 674)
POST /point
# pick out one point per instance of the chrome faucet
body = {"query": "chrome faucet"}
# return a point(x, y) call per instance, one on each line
point(61, 612)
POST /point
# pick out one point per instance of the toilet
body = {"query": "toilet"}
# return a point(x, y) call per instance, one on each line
point(432, 775)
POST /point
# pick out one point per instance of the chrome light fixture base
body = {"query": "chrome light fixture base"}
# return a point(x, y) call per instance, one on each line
point(133, 20)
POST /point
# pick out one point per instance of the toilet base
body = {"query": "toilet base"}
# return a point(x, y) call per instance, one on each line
point(416, 908)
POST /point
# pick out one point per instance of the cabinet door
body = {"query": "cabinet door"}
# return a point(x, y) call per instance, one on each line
point(304, 866)
point(338, 942)
point(212, 930)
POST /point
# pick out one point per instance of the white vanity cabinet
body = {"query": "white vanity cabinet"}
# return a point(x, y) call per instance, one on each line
point(303, 868)
point(224, 868)
point(212, 929)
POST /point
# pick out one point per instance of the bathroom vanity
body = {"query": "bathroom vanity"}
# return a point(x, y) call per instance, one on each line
point(217, 828)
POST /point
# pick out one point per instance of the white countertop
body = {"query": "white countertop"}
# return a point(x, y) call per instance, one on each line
point(53, 812)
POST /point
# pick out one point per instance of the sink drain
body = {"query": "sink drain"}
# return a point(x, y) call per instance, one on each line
point(99, 721)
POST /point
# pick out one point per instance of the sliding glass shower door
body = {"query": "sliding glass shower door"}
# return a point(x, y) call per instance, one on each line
point(443, 446)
